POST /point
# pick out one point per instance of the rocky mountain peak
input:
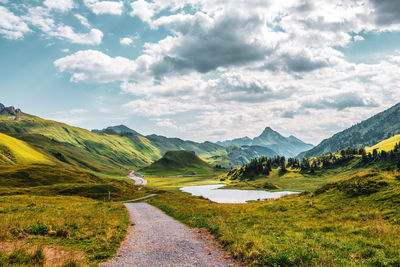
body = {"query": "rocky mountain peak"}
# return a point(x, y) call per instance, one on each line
point(268, 132)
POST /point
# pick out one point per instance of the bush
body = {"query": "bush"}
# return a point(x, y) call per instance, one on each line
point(62, 233)
point(38, 229)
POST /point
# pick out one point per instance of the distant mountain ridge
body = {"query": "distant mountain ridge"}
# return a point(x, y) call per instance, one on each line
point(284, 146)
point(364, 134)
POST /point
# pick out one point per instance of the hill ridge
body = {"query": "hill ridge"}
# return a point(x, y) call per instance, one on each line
point(365, 133)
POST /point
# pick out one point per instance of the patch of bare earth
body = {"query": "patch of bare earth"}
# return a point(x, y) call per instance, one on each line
point(55, 256)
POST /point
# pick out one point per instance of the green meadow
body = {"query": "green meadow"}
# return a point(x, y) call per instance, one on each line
point(353, 222)
point(59, 230)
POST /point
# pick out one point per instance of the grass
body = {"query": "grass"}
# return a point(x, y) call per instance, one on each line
point(68, 223)
point(14, 151)
point(47, 180)
point(387, 144)
point(23, 257)
point(173, 184)
point(354, 222)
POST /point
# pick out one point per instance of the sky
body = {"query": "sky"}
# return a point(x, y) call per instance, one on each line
point(202, 70)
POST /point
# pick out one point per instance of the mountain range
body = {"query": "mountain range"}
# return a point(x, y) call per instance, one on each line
point(283, 146)
point(119, 148)
point(115, 149)
point(216, 154)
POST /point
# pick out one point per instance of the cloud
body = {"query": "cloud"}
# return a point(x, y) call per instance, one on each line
point(358, 38)
point(12, 26)
point(42, 19)
point(144, 10)
point(105, 7)
point(236, 66)
point(340, 102)
point(94, 37)
point(128, 40)
point(156, 107)
point(82, 20)
point(202, 43)
point(59, 5)
point(168, 123)
point(93, 65)
point(300, 60)
point(387, 11)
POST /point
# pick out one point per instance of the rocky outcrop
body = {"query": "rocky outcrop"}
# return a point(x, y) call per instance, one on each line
point(9, 111)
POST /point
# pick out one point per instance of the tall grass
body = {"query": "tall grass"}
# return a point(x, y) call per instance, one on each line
point(354, 222)
point(71, 223)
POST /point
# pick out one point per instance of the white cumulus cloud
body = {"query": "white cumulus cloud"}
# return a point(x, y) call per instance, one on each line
point(105, 7)
point(12, 26)
point(59, 5)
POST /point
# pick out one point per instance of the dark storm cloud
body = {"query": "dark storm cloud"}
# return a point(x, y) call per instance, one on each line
point(387, 11)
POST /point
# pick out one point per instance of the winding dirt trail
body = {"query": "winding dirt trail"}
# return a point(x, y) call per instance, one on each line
point(138, 178)
point(158, 240)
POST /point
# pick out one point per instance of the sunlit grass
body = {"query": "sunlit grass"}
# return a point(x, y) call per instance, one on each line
point(14, 151)
point(351, 223)
point(72, 223)
point(386, 145)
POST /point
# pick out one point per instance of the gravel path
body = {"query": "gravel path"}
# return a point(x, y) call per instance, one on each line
point(158, 240)
point(138, 178)
point(140, 198)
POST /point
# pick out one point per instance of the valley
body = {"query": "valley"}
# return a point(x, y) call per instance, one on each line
point(344, 212)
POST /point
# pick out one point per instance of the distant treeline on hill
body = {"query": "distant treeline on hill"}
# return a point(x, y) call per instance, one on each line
point(263, 166)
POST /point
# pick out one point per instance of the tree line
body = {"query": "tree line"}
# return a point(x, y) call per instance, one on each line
point(263, 165)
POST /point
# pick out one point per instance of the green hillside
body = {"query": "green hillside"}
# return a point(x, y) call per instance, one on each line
point(14, 151)
point(310, 174)
point(120, 152)
point(179, 162)
point(364, 134)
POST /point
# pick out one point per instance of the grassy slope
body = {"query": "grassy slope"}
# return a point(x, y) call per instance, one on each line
point(120, 150)
point(14, 151)
point(178, 162)
point(349, 223)
point(47, 180)
point(387, 144)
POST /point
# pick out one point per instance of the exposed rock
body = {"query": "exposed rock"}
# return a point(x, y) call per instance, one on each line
point(9, 111)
